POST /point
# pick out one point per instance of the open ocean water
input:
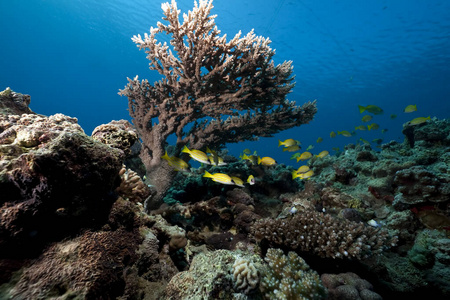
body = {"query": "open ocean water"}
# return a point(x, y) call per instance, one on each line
point(73, 56)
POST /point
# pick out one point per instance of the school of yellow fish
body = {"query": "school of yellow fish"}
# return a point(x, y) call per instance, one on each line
point(291, 145)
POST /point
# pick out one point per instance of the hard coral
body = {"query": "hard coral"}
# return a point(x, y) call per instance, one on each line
point(289, 277)
point(348, 286)
point(118, 134)
point(324, 235)
point(246, 276)
point(205, 78)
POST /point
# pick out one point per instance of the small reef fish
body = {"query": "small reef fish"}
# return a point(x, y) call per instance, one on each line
point(237, 181)
point(219, 177)
point(177, 163)
point(366, 118)
point(197, 155)
point(310, 147)
point(252, 158)
point(332, 134)
point(294, 156)
point(305, 175)
point(384, 130)
point(322, 154)
point(344, 133)
point(410, 108)
point(251, 180)
point(266, 161)
point(364, 141)
point(393, 116)
point(288, 143)
point(377, 141)
point(373, 223)
point(247, 151)
point(292, 148)
point(319, 140)
point(302, 169)
point(337, 149)
point(373, 126)
point(214, 159)
point(304, 156)
point(370, 108)
point(419, 120)
point(361, 127)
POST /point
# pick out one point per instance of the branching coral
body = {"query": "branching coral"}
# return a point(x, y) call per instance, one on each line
point(324, 235)
point(289, 277)
point(213, 91)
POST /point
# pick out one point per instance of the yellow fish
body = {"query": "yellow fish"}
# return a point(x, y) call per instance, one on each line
point(419, 120)
point(251, 180)
point(322, 154)
point(364, 141)
point(373, 126)
point(361, 127)
point(304, 156)
point(319, 140)
point(345, 133)
point(302, 169)
point(366, 118)
point(302, 175)
point(252, 158)
point(197, 155)
point(332, 134)
point(177, 163)
point(410, 108)
point(247, 151)
point(237, 181)
point(216, 161)
point(266, 161)
point(219, 177)
point(393, 116)
point(370, 108)
point(292, 148)
point(288, 143)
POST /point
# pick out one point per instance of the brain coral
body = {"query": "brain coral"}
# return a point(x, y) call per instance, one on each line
point(245, 275)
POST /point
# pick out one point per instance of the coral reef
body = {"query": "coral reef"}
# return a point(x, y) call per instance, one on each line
point(12, 103)
point(324, 235)
point(229, 91)
point(216, 275)
point(246, 276)
point(348, 286)
point(117, 134)
point(131, 186)
point(53, 180)
point(289, 277)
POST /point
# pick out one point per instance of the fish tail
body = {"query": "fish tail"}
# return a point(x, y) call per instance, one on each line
point(165, 156)
point(280, 143)
point(185, 149)
point(259, 160)
point(361, 109)
point(207, 175)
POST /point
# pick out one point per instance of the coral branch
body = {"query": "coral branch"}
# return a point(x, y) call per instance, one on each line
point(213, 91)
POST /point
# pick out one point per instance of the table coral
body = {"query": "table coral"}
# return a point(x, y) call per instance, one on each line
point(226, 91)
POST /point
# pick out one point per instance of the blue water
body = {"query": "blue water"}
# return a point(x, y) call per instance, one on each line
point(73, 56)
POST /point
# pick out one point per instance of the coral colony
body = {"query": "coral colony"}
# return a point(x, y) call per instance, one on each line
point(121, 214)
